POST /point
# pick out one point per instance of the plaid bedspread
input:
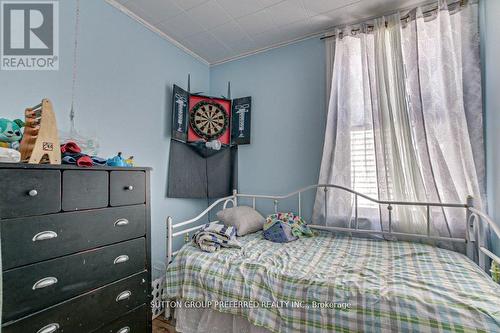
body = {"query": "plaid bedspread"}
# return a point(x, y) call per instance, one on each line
point(333, 283)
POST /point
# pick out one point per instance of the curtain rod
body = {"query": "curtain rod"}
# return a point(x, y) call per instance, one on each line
point(460, 3)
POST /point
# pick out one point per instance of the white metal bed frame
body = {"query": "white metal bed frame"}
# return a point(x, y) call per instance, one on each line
point(476, 221)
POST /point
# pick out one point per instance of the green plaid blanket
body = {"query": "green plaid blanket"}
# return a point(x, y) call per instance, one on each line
point(334, 283)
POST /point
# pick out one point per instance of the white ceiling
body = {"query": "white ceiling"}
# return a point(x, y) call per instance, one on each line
point(220, 30)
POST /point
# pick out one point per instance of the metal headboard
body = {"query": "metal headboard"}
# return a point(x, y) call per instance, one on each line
point(476, 221)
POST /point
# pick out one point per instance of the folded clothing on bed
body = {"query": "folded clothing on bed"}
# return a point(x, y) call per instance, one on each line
point(285, 227)
point(211, 237)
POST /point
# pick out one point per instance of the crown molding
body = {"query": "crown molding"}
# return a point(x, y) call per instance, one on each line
point(268, 48)
point(163, 35)
point(149, 26)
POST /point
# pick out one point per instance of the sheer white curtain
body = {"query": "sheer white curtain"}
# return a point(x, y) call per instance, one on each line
point(405, 120)
point(347, 109)
point(441, 53)
point(330, 56)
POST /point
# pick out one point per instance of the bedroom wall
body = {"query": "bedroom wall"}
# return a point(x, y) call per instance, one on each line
point(287, 86)
point(490, 25)
point(123, 95)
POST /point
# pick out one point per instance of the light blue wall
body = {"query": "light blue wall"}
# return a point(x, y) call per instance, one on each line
point(124, 91)
point(490, 25)
point(126, 74)
point(287, 86)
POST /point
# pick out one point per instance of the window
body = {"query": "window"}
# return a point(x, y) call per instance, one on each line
point(363, 166)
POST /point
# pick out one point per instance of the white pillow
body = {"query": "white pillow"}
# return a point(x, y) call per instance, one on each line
point(245, 219)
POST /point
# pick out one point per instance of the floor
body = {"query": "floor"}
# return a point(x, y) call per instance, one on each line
point(160, 325)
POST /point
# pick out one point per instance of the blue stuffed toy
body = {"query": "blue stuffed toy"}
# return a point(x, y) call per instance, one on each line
point(10, 133)
point(119, 161)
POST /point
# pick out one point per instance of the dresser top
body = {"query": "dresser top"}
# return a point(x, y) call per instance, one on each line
point(67, 167)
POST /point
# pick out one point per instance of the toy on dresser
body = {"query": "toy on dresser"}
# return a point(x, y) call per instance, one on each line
point(40, 142)
point(119, 161)
point(10, 133)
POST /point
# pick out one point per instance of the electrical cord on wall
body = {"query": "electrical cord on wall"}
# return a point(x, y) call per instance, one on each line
point(75, 69)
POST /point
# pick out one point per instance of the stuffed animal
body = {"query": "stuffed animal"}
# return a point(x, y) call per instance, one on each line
point(10, 133)
point(130, 161)
point(118, 161)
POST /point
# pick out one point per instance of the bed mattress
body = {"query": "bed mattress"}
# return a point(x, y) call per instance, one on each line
point(338, 283)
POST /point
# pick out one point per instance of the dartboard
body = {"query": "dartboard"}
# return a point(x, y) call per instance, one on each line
point(208, 120)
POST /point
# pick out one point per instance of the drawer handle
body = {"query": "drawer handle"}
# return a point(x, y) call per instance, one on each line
point(121, 222)
point(51, 328)
point(129, 188)
point(33, 193)
point(45, 282)
point(121, 259)
point(125, 329)
point(44, 235)
point(123, 295)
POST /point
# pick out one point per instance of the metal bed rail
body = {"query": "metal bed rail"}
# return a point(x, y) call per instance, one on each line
point(171, 226)
point(477, 222)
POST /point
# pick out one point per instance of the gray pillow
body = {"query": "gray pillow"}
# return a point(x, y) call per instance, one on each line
point(244, 218)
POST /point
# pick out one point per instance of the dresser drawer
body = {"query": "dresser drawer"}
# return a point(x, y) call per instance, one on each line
point(34, 287)
point(84, 190)
point(33, 239)
point(29, 192)
point(135, 321)
point(87, 312)
point(127, 188)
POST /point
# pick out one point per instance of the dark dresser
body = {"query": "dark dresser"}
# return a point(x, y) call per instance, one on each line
point(75, 249)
